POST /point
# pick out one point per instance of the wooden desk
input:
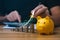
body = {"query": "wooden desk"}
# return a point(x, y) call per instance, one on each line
point(12, 35)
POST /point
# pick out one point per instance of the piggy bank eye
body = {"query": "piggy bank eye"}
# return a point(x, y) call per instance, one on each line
point(44, 22)
point(38, 22)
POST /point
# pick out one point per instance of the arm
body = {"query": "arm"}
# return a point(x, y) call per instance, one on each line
point(55, 11)
point(2, 18)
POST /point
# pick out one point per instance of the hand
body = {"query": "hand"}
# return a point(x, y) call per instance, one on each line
point(13, 16)
point(39, 10)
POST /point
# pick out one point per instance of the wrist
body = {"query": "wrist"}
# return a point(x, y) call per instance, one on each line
point(3, 19)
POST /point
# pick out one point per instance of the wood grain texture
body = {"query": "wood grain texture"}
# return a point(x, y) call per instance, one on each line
point(14, 35)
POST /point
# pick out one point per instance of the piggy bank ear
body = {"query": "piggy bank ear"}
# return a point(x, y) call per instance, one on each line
point(47, 17)
point(38, 17)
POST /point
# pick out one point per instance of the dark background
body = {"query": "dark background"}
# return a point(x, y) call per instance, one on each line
point(24, 6)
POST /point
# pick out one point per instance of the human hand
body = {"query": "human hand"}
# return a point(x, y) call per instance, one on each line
point(13, 16)
point(39, 10)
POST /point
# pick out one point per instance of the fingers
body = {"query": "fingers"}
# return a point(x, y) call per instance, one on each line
point(18, 17)
point(39, 9)
point(7, 17)
point(14, 15)
point(10, 17)
point(47, 12)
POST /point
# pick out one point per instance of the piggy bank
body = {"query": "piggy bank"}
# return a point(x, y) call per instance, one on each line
point(45, 25)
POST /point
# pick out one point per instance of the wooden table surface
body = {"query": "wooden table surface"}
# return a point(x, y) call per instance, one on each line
point(13, 35)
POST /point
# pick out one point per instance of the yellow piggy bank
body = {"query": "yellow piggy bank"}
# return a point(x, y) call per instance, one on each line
point(45, 25)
